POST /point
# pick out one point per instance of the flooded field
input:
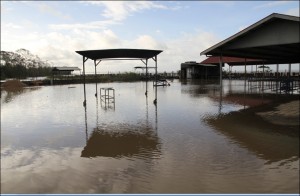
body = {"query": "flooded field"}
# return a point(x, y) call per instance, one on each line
point(197, 139)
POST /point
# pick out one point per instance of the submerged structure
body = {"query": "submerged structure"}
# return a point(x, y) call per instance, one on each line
point(194, 70)
point(272, 40)
point(119, 54)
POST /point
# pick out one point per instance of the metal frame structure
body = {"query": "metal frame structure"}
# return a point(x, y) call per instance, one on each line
point(119, 54)
point(274, 38)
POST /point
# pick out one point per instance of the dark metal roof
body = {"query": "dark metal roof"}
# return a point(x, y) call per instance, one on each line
point(274, 38)
point(65, 69)
point(119, 53)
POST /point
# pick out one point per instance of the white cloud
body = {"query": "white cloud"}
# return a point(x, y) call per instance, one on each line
point(12, 26)
point(89, 25)
point(59, 47)
point(271, 4)
point(43, 7)
point(293, 12)
point(119, 10)
point(148, 42)
point(114, 12)
point(187, 47)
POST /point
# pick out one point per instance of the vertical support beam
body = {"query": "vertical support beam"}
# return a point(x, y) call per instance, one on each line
point(245, 72)
point(156, 78)
point(277, 76)
point(290, 70)
point(96, 94)
point(256, 70)
point(146, 93)
point(221, 62)
point(263, 80)
point(84, 59)
point(96, 63)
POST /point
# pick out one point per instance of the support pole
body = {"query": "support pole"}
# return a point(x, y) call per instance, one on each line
point(277, 77)
point(221, 62)
point(96, 94)
point(156, 78)
point(96, 63)
point(245, 74)
point(146, 93)
point(290, 70)
point(84, 59)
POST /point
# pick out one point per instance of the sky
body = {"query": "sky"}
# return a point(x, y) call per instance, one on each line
point(54, 30)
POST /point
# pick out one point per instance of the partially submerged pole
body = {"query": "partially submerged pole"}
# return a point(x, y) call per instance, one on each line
point(84, 60)
point(155, 100)
point(221, 62)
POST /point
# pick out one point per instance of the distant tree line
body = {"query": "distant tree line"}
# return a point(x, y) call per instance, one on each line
point(22, 64)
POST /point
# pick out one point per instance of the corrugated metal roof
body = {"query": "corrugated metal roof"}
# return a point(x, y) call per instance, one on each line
point(119, 53)
point(275, 37)
point(66, 69)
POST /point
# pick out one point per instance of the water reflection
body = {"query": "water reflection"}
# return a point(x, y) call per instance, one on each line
point(119, 140)
point(271, 142)
point(186, 143)
point(197, 88)
point(122, 141)
point(10, 94)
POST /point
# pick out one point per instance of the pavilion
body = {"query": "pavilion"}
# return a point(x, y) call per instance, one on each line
point(119, 54)
point(272, 40)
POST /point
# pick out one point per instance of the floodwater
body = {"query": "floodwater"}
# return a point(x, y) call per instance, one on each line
point(197, 139)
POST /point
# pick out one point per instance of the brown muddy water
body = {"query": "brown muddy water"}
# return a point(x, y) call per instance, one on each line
point(197, 139)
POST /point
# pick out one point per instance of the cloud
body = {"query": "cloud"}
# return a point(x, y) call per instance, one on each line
point(89, 25)
point(114, 12)
point(59, 48)
point(120, 10)
point(148, 42)
point(293, 12)
point(12, 26)
point(271, 4)
point(43, 7)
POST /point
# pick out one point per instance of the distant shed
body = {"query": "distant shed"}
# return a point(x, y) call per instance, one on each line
point(194, 70)
point(64, 70)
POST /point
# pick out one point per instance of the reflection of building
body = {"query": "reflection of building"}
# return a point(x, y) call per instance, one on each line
point(122, 141)
point(193, 70)
point(268, 141)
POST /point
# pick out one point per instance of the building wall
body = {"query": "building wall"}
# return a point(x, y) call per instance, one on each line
point(196, 71)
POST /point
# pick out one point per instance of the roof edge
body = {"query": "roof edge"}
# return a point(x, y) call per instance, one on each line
point(254, 25)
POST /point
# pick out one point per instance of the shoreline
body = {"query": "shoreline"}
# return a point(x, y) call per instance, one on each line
point(284, 114)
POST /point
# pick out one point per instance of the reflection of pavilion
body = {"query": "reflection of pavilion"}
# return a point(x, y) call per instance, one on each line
point(122, 140)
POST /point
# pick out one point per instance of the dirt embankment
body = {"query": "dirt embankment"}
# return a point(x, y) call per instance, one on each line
point(13, 85)
point(284, 114)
